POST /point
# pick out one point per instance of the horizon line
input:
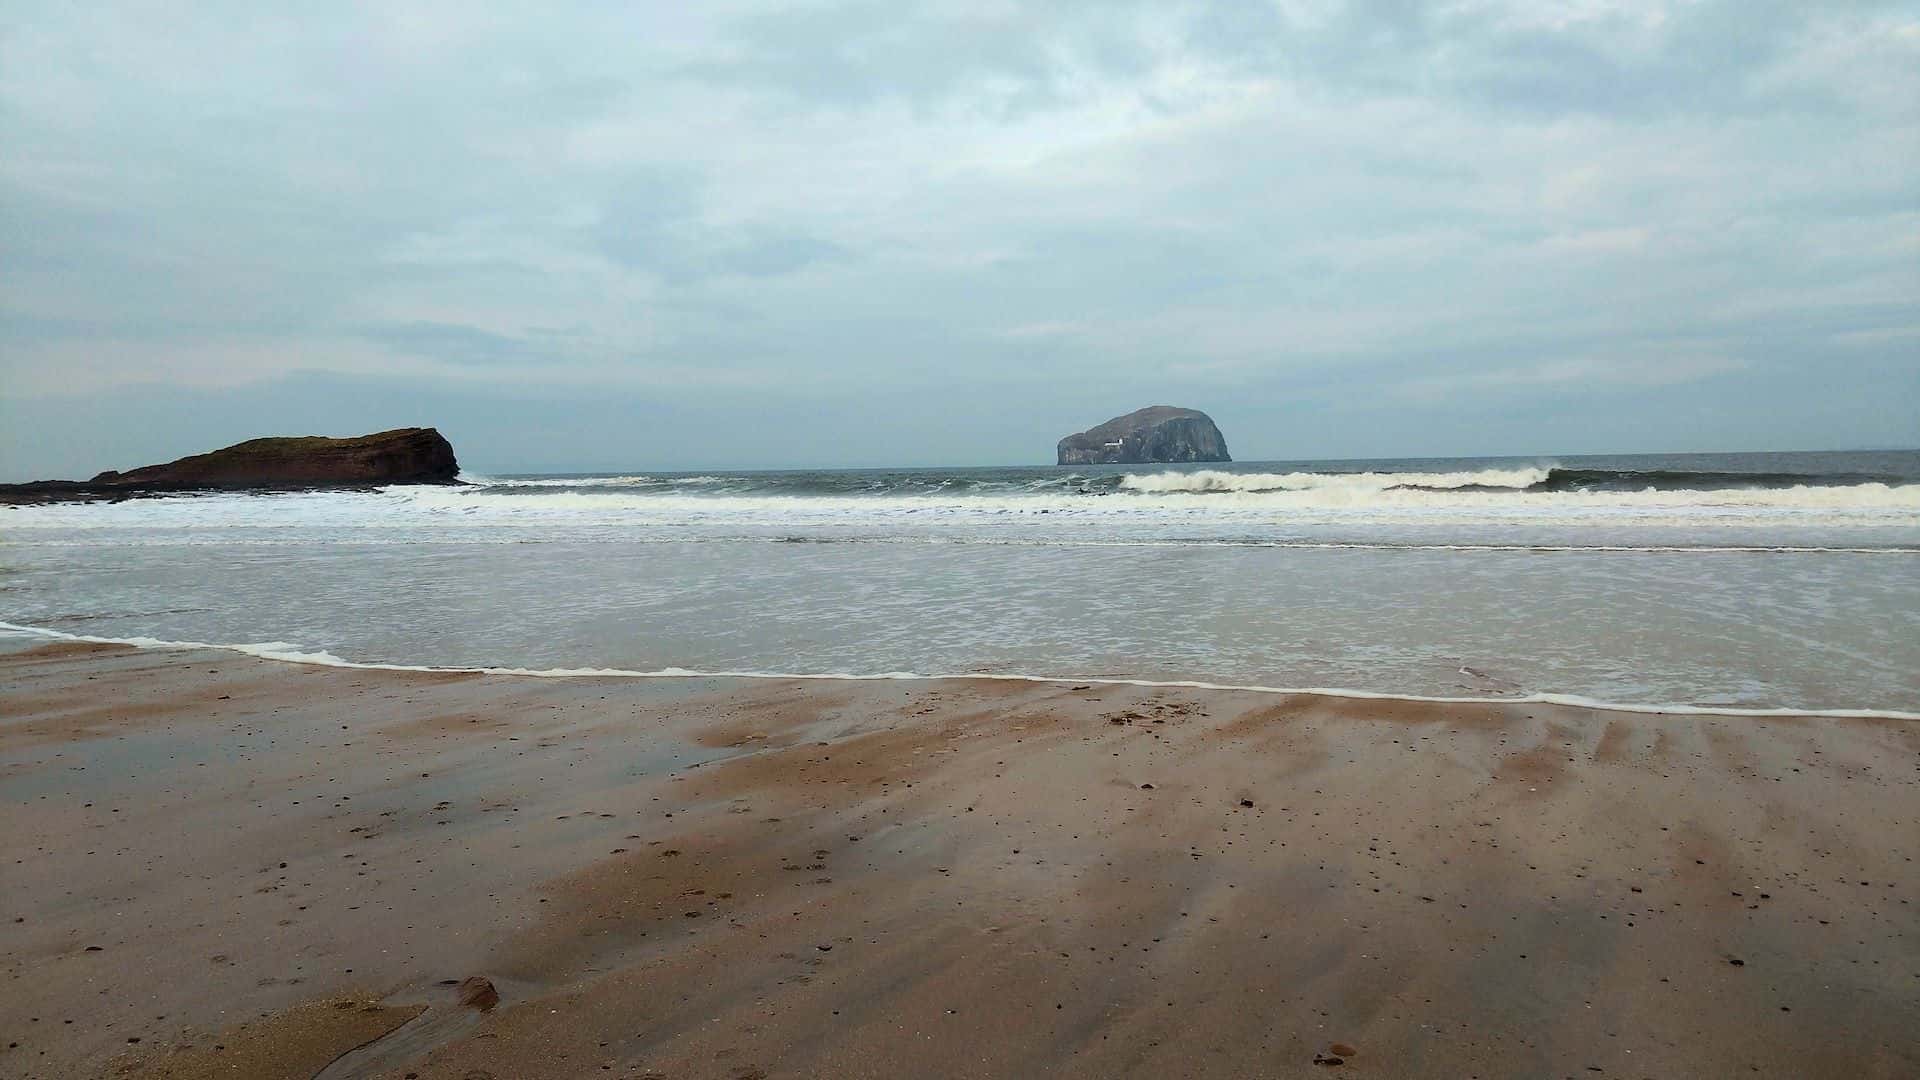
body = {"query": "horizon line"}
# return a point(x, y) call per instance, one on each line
point(518, 470)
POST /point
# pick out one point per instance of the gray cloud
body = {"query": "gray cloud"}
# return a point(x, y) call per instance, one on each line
point(458, 344)
point(742, 215)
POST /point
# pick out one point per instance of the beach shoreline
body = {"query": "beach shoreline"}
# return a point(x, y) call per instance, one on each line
point(724, 877)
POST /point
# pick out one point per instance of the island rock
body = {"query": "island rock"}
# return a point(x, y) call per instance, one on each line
point(1158, 433)
point(401, 456)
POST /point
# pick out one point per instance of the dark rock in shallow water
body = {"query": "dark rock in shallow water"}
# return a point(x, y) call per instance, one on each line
point(401, 456)
point(1158, 433)
point(476, 991)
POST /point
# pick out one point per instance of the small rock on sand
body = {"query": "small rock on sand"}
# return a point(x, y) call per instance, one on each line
point(477, 991)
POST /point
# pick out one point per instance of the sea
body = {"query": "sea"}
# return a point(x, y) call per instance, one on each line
point(1780, 581)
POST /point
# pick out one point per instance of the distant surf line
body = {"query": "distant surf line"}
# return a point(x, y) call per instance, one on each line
point(208, 539)
point(286, 652)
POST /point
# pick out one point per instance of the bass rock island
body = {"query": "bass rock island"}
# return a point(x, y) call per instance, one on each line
point(1158, 433)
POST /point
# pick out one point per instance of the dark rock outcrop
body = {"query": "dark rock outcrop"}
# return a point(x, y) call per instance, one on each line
point(1157, 433)
point(401, 456)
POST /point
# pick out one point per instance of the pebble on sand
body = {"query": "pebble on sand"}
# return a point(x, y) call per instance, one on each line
point(477, 992)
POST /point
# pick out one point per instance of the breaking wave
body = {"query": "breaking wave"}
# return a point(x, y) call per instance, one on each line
point(1559, 479)
point(586, 482)
point(1359, 482)
point(1541, 479)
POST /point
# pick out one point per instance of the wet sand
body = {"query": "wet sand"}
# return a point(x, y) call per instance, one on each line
point(222, 866)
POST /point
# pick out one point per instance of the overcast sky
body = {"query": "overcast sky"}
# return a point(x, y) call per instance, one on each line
point(727, 234)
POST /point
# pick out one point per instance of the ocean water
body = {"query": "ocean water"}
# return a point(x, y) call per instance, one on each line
point(1728, 580)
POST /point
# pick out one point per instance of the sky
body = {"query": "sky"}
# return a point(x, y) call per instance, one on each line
point(905, 232)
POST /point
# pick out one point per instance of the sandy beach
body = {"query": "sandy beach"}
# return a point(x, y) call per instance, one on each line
point(217, 865)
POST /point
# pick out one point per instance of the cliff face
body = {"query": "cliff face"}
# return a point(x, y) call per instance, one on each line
point(1158, 433)
point(401, 456)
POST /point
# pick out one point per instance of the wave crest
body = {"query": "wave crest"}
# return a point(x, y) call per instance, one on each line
point(636, 481)
point(1206, 480)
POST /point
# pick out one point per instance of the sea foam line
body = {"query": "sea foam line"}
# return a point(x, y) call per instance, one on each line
point(286, 652)
point(966, 541)
point(1211, 480)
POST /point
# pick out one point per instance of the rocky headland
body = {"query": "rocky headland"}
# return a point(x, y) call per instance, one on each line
point(401, 456)
point(1158, 433)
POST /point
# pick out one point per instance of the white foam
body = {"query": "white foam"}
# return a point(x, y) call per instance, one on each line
point(511, 538)
point(638, 480)
point(1357, 501)
point(1357, 483)
point(289, 653)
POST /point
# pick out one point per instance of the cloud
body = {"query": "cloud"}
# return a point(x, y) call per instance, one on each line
point(68, 368)
point(1584, 374)
point(1597, 241)
point(936, 199)
point(458, 344)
